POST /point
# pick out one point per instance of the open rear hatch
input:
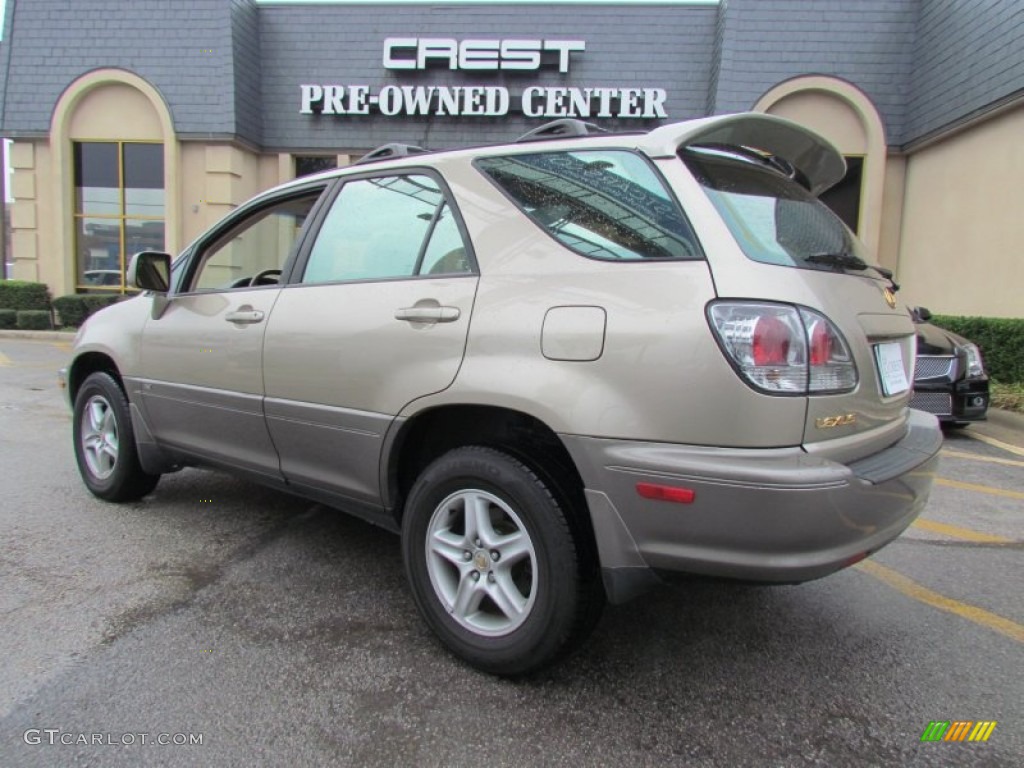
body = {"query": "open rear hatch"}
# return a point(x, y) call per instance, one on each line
point(801, 310)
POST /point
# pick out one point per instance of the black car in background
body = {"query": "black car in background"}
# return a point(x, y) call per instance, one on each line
point(949, 378)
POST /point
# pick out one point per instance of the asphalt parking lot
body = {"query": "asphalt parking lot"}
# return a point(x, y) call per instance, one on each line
point(276, 632)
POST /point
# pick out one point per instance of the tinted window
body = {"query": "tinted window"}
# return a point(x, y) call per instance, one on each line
point(604, 204)
point(774, 219)
point(307, 164)
point(144, 179)
point(394, 226)
point(119, 207)
point(97, 186)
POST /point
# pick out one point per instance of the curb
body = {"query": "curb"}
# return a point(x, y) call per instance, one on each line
point(1005, 426)
point(38, 335)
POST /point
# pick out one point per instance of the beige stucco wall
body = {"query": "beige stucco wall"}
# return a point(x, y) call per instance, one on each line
point(31, 238)
point(892, 211)
point(962, 240)
point(216, 178)
point(115, 111)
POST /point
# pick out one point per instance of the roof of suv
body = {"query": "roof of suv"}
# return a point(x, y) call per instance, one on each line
point(818, 161)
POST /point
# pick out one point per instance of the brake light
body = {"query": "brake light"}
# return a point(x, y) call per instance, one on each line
point(771, 341)
point(782, 349)
point(821, 344)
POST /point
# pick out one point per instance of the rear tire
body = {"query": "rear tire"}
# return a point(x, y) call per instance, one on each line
point(105, 443)
point(493, 565)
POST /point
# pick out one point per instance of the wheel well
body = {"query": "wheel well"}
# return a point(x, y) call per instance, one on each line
point(86, 365)
point(435, 432)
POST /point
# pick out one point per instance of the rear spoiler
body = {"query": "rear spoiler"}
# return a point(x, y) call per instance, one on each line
point(815, 158)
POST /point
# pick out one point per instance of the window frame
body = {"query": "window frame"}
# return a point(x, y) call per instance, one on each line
point(193, 255)
point(121, 218)
point(298, 268)
point(672, 198)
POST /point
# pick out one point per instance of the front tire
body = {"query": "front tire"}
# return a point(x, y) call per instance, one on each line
point(493, 565)
point(105, 443)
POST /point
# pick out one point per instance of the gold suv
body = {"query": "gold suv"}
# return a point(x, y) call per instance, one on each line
point(562, 369)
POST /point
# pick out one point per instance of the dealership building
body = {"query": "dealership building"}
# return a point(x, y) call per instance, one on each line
point(136, 124)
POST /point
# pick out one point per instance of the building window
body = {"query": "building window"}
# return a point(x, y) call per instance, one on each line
point(844, 197)
point(307, 164)
point(119, 209)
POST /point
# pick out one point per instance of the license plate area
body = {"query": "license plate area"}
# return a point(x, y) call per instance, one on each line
point(891, 372)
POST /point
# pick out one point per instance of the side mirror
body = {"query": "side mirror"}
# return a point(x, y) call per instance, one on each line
point(150, 271)
point(924, 314)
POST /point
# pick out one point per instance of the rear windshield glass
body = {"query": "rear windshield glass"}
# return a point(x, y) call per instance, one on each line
point(774, 219)
point(605, 204)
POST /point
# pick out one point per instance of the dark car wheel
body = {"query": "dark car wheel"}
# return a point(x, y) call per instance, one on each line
point(493, 565)
point(105, 444)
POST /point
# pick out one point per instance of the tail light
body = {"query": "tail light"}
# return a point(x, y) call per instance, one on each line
point(782, 349)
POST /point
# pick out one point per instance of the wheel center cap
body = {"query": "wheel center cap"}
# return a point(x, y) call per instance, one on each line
point(481, 560)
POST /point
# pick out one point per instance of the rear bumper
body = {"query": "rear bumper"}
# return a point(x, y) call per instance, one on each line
point(768, 515)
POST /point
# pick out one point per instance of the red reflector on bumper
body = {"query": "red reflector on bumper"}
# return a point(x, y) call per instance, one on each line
point(665, 493)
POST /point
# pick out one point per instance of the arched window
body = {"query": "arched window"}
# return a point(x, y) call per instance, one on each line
point(117, 190)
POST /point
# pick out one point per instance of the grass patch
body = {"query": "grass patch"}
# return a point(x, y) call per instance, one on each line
point(1009, 397)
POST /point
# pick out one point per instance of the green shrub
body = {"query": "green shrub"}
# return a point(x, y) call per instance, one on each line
point(76, 307)
point(34, 320)
point(71, 310)
point(8, 318)
point(20, 294)
point(1001, 340)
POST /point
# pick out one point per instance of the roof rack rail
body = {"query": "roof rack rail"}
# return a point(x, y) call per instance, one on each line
point(389, 151)
point(565, 128)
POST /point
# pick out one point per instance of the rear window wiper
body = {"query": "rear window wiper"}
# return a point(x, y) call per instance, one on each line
point(849, 261)
point(838, 260)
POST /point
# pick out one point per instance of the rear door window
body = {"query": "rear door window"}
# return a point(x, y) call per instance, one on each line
point(387, 227)
point(604, 204)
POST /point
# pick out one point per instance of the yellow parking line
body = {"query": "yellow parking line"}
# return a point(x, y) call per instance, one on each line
point(65, 345)
point(913, 590)
point(1015, 449)
point(959, 533)
point(5, 360)
point(979, 488)
point(989, 459)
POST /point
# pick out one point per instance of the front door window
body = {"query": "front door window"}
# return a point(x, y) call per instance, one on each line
point(253, 252)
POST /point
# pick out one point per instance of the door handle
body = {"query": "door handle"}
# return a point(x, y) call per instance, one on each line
point(428, 314)
point(244, 316)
